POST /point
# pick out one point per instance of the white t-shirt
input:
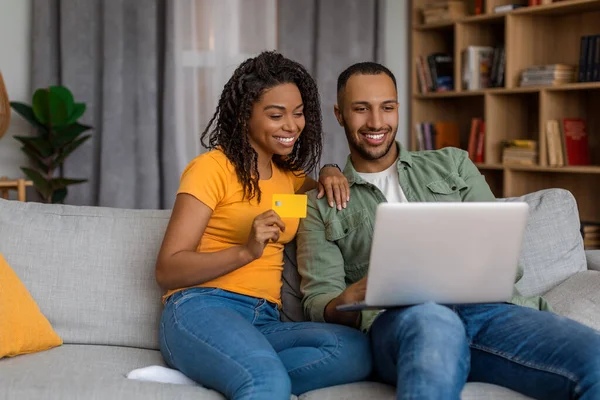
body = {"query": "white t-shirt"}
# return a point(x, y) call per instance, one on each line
point(387, 181)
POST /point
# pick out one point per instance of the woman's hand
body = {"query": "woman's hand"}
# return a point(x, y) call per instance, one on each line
point(266, 226)
point(333, 183)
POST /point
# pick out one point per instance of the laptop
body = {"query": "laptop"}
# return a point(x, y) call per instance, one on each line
point(448, 253)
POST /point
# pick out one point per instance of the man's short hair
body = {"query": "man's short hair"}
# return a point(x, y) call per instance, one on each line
point(363, 68)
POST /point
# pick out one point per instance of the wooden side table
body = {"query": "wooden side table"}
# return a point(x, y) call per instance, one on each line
point(18, 184)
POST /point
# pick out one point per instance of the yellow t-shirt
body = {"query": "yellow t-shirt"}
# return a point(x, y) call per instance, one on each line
point(211, 178)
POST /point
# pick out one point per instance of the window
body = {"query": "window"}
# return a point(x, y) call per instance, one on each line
point(212, 37)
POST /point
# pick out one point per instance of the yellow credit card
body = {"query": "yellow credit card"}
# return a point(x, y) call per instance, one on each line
point(290, 205)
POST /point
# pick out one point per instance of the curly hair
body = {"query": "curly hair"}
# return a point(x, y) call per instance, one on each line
point(228, 128)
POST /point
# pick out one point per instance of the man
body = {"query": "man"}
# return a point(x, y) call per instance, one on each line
point(429, 351)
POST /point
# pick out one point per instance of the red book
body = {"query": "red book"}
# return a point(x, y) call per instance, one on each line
point(577, 147)
point(472, 147)
point(479, 158)
point(478, 7)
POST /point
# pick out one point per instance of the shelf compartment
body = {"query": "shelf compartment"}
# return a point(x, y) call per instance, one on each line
point(538, 39)
point(583, 104)
point(459, 110)
point(428, 42)
point(508, 117)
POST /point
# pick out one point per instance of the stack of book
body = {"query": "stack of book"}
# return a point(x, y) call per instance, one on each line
point(545, 75)
point(521, 152)
point(444, 11)
point(591, 236)
point(435, 73)
point(483, 67)
point(589, 59)
point(568, 142)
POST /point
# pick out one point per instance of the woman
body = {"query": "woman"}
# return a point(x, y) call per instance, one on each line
point(222, 255)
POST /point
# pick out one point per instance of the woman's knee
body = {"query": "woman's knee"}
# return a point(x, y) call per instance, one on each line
point(264, 377)
point(353, 353)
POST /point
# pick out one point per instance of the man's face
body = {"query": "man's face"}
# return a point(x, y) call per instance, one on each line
point(368, 111)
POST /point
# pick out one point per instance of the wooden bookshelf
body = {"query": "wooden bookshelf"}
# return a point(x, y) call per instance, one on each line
point(543, 34)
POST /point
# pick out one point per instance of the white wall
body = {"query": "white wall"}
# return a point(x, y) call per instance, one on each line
point(15, 64)
point(396, 56)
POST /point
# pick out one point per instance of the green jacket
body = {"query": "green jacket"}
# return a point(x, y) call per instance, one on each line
point(334, 246)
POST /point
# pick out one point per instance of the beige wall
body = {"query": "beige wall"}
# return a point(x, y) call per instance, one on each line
point(15, 64)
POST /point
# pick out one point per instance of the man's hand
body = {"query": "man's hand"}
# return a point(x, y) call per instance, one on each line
point(353, 293)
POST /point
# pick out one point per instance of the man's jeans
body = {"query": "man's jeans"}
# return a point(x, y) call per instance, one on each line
point(237, 345)
point(429, 351)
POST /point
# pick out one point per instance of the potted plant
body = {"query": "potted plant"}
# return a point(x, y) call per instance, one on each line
point(53, 115)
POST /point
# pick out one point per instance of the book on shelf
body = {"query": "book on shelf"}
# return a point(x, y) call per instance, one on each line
point(589, 59)
point(475, 146)
point(590, 232)
point(554, 141)
point(444, 11)
point(479, 7)
point(435, 136)
point(520, 152)
point(435, 73)
point(567, 144)
point(483, 67)
point(546, 75)
point(577, 147)
point(508, 7)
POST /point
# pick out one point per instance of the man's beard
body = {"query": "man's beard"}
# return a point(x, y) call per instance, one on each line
point(364, 151)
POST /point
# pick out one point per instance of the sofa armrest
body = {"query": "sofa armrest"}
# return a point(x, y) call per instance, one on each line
point(593, 259)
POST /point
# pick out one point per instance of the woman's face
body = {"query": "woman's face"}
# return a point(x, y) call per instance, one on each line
point(277, 120)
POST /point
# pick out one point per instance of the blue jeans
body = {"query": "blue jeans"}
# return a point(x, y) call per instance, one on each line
point(237, 345)
point(429, 351)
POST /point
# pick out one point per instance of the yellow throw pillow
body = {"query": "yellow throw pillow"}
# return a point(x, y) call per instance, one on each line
point(23, 328)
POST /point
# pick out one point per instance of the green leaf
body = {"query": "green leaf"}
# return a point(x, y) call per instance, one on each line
point(26, 112)
point(50, 108)
point(61, 183)
point(40, 105)
point(39, 144)
point(39, 181)
point(78, 110)
point(69, 148)
point(59, 195)
point(65, 96)
point(35, 157)
point(67, 134)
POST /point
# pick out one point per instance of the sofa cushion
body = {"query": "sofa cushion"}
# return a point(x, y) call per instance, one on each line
point(578, 298)
point(90, 269)
point(89, 372)
point(552, 247)
point(378, 391)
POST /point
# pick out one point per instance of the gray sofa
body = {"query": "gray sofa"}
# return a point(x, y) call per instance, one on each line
point(91, 271)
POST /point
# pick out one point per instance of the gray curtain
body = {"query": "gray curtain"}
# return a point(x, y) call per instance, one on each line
point(114, 56)
point(327, 36)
